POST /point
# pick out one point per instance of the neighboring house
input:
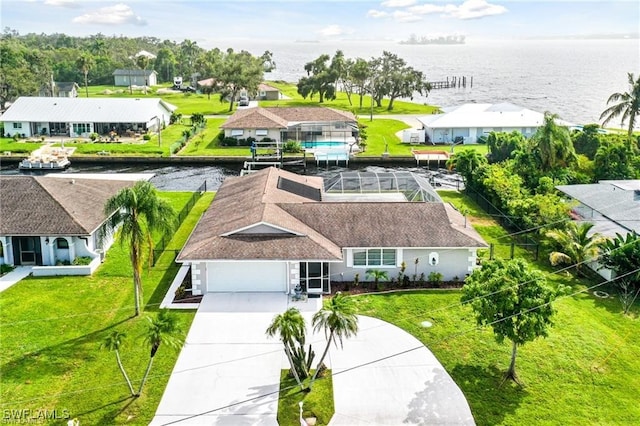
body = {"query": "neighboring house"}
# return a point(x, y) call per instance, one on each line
point(61, 89)
point(49, 221)
point(267, 93)
point(466, 123)
point(273, 230)
point(135, 78)
point(613, 206)
point(304, 124)
point(79, 117)
point(149, 55)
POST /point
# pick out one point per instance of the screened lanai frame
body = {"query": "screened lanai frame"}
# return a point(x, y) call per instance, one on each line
point(414, 187)
point(337, 131)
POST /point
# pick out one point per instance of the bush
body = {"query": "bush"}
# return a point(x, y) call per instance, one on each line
point(94, 136)
point(4, 269)
point(82, 260)
point(435, 278)
point(292, 147)
point(146, 137)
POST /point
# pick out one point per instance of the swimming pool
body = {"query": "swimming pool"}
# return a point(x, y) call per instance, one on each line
point(324, 144)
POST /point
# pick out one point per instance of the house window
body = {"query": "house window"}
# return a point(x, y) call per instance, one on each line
point(374, 257)
point(62, 243)
point(17, 125)
point(80, 128)
point(262, 132)
point(237, 132)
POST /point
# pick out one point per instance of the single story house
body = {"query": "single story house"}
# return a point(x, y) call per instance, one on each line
point(613, 206)
point(135, 78)
point(149, 55)
point(273, 230)
point(79, 117)
point(49, 221)
point(267, 93)
point(303, 124)
point(466, 123)
point(61, 89)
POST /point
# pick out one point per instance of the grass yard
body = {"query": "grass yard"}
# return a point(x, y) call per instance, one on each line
point(206, 143)
point(318, 403)
point(341, 102)
point(52, 329)
point(585, 372)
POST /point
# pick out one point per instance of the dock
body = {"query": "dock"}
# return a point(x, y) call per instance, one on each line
point(428, 156)
point(452, 83)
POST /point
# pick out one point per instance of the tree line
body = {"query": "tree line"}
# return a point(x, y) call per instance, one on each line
point(30, 62)
point(385, 76)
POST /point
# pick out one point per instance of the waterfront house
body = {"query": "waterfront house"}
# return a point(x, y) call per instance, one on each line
point(274, 230)
point(79, 117)
point(48, 222)
point(466, 123)
point(133, 77)
point(304, 124)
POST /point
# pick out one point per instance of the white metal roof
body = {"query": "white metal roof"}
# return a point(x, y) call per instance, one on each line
point(86, 110)
point(485, 115)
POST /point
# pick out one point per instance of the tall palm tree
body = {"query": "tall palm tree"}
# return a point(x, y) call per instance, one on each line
point(553, 144)
point(162, 329)
point(139, 212)
point(338, 320)
point(576, 244)
point(628, 105)
point(85, 63)
point(112, 343)
point(143, 62)
point(290, 326)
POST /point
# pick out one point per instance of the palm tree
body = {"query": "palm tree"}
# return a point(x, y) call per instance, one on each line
point(628, 105)
point(112, 343)
point(377, 275)
point(338, 320)
point(465, 162)
point(162, 329)
point(553, 144)
point(139, 213)
point(291, 328)
point(576, 244)
point(143, 62)
point(85, 63)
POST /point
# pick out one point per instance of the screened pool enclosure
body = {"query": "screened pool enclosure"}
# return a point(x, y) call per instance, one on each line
point(382, 186)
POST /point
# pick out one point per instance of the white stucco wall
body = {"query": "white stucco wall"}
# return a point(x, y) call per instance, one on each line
point(10, 129)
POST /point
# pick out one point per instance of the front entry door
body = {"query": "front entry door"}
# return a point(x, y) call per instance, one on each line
point(314, 276)
point(27, 250)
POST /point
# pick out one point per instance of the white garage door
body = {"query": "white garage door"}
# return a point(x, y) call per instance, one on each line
point(246, 276)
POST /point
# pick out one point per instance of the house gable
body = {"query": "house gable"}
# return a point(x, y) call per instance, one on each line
point(260, 229)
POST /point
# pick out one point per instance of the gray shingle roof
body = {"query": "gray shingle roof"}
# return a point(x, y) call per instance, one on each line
point(282, 117)
point(85, 110)
point(40, 205)
point(314, 230)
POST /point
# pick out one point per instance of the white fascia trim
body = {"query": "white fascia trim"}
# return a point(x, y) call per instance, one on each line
point(226, 234)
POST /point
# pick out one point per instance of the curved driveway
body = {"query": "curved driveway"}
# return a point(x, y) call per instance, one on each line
point(374, 386)
point(228, 371)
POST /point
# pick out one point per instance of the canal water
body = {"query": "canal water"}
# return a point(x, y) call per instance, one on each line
point(190, 177)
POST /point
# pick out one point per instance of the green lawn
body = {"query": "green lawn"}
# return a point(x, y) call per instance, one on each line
point(52, 328)
point(318, 403)
point(585, 372)
point(342, 102)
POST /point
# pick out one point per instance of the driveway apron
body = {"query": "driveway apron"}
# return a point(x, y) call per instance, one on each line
point(227, 364)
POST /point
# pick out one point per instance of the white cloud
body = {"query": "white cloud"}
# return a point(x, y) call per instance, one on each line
point(377, 14)
point(398, 3)
point(426, 9)
point(72, 4)
point(402, 16)
point(474, 9)
point(334, 30)
point(120, 14)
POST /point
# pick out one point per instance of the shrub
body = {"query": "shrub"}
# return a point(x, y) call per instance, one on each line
point(15, 137)
point(94, 136)
point(180, 292)
point(292, 147)
point(82, 260)
point(146, 137)
point(435, 278)
point(4, 269)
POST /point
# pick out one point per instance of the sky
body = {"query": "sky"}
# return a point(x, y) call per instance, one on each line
point(212, 21)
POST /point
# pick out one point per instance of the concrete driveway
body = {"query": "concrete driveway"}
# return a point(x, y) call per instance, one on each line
point(409, 388)
point(226, 360)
